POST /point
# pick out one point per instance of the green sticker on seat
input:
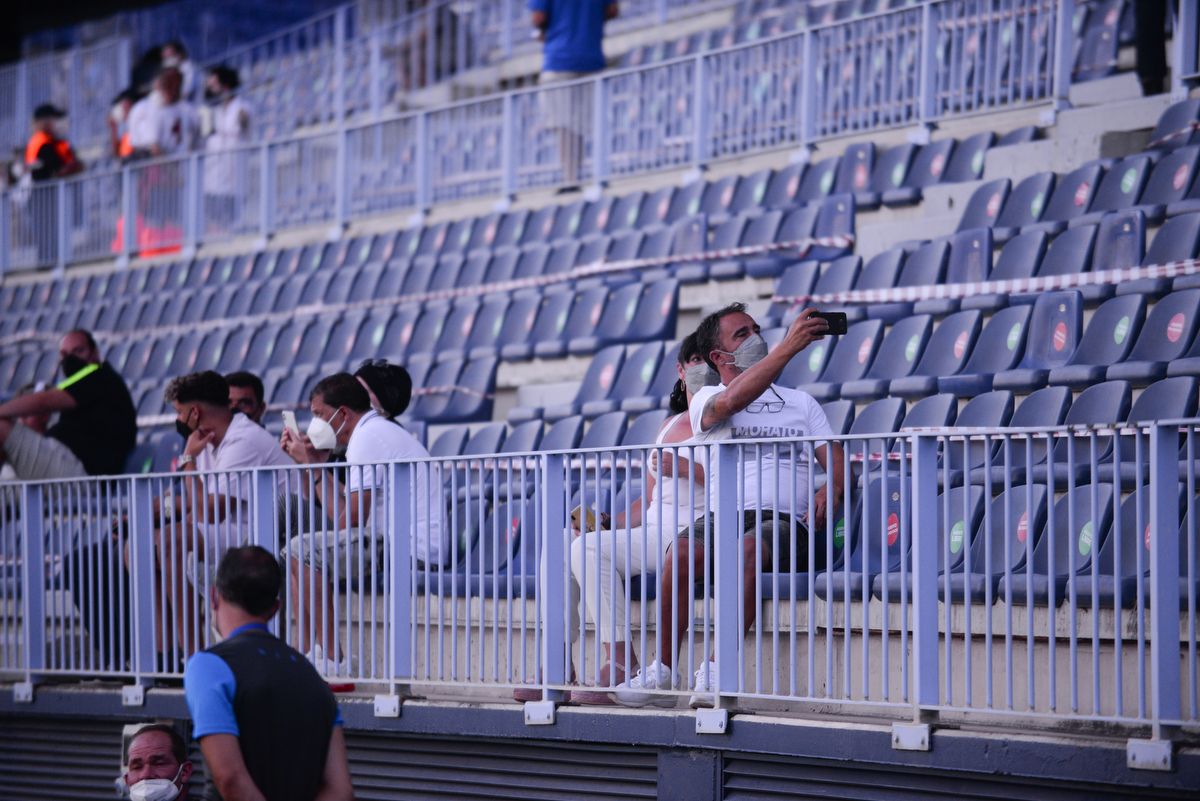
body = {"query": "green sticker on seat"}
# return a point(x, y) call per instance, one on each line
point(897, 175)
point(1014, 336)
point(1127, 180)
point(1121, 330)
point(1085, 539)
point(1035, 208)
point(910, 350)
point(839, 533)
point(956, 537)
point(826, 182)
point(977, 162)
point(816, 358)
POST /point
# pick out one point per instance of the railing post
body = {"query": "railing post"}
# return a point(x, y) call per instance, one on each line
point(1185, 61)
point(266, 213)
point(5, 230)
point(339, 76)
point(923, 534)
point(375, 70)
point(700, 139)
point(508, 148)
point(601, 132)
point(506, 28)
point(60, 226)
point(129, 221)
point(1064, 52)
point(74, 81)
point(141, 575)
point(193, 203)
point(424, 175)
point(401, 484)
point(265, 516)
point(339, 63)
point(1164, 575)
point(23, 111)
point(554, 657)
point(808, 93)
point(725, 544)
point(927, 67)
point(660, 11)
point(33, 577)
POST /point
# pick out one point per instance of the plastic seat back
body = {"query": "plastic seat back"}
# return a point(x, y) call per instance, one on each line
point(1177, 240)
point(1171, 177)
point(1070, 253)
point(926, 266)
point(563, 435)
point(902, 347)
point(1073, 193)
point(950, 345)
point(1027, 203)
point(970, 256)
point(1055, 329)
point(1018, 518)
point(966, 164)
point(643, 429)
point(930, 165)
point(854, 171)
point(854, 352)
point(1074, 532)
point(840, 415)
point(1169, 328)
point(984, 207)
point(1001, 343)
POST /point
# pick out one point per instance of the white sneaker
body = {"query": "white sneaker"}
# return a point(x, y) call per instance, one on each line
point(703, 685)
point(641, 689)
point(326, 666)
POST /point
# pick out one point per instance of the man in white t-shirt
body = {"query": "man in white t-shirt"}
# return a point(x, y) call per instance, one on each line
point(212, 512)
point(162, 123)
point(747, 405)
point(352, 544)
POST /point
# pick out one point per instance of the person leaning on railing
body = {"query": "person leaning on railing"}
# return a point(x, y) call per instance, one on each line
point(353, 413)
point(747, 404)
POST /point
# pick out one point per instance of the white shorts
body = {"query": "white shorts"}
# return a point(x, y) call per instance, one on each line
point(34, 457)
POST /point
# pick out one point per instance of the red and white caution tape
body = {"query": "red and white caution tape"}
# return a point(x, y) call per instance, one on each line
point(1014, 286)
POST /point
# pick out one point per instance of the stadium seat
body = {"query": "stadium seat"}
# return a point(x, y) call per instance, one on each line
point(1176, 126)
point(562, 435)
point(763, 229)
point(1072, 197)
point(989, 410)
point(596, 385)
point(985, 204)
point(1000, 345)
point(1172, 398)
point(1121, 188)
point(1121, 244)
point(840, 415)
point(1025, 206)
point(550, 341)
point(643, 429)
point(970, 261)
point(782, 189)
point(947, 351)
point(1166, 335)
point(887, 174)
point(807, 366)
point(1021, 257)
point(818, 180)
point(1017, 518)
point(882, 541)
point(967, 161)
point(1177, 240)
point(854, 171)
point(1168, 184)
point(1055, 330)
point(523, 317)
point(1072, 535)
point(450, 442)
point(902, 346)
point(959, 511)
point(1108, 338)
point(797, 280)
point(929, 167)
point(632, 381)
point(850, 359)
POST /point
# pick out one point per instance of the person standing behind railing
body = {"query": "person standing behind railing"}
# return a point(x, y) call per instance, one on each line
point(230, 129)
point(48, 155)
point(572, 32)
point(343, 417)
point(747, 404)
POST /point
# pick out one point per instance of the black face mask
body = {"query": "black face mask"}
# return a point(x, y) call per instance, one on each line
point(182, 428)
point(72, 364)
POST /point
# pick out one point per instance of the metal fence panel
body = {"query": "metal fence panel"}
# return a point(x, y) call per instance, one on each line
point(305, 180)
point(463, 149)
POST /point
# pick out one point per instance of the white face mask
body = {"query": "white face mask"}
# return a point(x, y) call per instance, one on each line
point(156, 789)
point(322, 435)
point(171, 61)
point(700, 375)
point(749, 353)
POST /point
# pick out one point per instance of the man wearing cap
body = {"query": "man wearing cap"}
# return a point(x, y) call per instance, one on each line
point(48, 154)
point(97, 422)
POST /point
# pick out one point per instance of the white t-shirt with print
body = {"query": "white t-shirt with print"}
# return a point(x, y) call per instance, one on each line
point(377, 440)
point(246, 444)
point(799, 416)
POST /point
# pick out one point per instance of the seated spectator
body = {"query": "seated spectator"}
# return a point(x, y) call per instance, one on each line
point(353, 541)
point(157, 765)
point(747, 404)
point(246, 395)
point(211, 511)
point(48, 154)
point(37, 422)
point(118, 124)
point(97, 422)
point(162, 123)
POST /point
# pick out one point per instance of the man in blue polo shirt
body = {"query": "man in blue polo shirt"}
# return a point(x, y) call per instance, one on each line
point(268, 726)
point(572, 31)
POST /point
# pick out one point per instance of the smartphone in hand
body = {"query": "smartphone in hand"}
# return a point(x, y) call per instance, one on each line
point(289, 422)
point(837, 321)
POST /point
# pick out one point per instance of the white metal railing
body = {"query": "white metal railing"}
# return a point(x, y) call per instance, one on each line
point(895, 68)
point(1049, 573)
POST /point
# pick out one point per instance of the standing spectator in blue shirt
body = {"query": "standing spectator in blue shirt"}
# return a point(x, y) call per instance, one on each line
point(572, 31)
point(268, 726)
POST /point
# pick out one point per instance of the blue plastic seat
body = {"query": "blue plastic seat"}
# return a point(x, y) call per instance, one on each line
point(840, 414)
point(480, 333)
point(1173, 398)
point(605, 431)
point(1072, 197)
point(760, 229)
point(985, 205)
point(625, 212)
point(597, 384)
point(1109, 336)
point(897, 357)
point(1072, 536)
point(806, 367)
point(818, 181)
point(849, 360)
point(513, 340)
point(426, 329)
point(1176, 126)
point(1017, 517)
point(1121, 188)
point(618, 312)
point(538, 226)
point(1168, 184)
point(633, 380)
point(782, 189)
point(595, 217)
point(1177, 240)
point(947, 351)
point(1018, 136)
point(562, 435)
point(585, 310)
point(1025, 206)
point(654, 208)
point(1070, 253)
point(926, 266)
point(431, 407)
point(970, 261)
point(566, 222)
point(1121, 244)
point(531, 262)
point(451, 335)
point(854, 171)
point(450, 442)
point(660, 385)
point(643, 429)
point(887, 174)
point(835, 218)
point(934, 411)
point(1000, 346)
point(1021, 257)
point(1166, 335)
point(1055, 331)
point(959, 511)
point(928, 168)
point(989, 410)
point(795, 281)
point(966, 164)
point(883, 537)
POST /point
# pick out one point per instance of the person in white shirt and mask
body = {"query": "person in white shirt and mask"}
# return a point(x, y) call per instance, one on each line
point(157, 767)
point(351, 544)
point(773, 491)
point(225, 156)
point(175, 55)
point(163, 123)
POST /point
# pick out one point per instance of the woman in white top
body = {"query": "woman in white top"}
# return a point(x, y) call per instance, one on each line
point(637, 542)
point(224, 156)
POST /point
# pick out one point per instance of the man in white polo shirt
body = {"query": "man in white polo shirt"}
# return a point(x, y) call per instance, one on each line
point(212, 513)
point(351, 544)
point(747, 405)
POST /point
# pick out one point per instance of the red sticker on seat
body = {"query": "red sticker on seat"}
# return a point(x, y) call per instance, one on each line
point(893, 531)
point(606, 375)
point(937, 165)
point(993, 205)
point(864, 350)
point(860, 176)
point(960, 345)
point(1060, 336)
point(1175, 327)
point(1146, 536)
point(1023, 527)
point(1081, 193)
point(1180, 178)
